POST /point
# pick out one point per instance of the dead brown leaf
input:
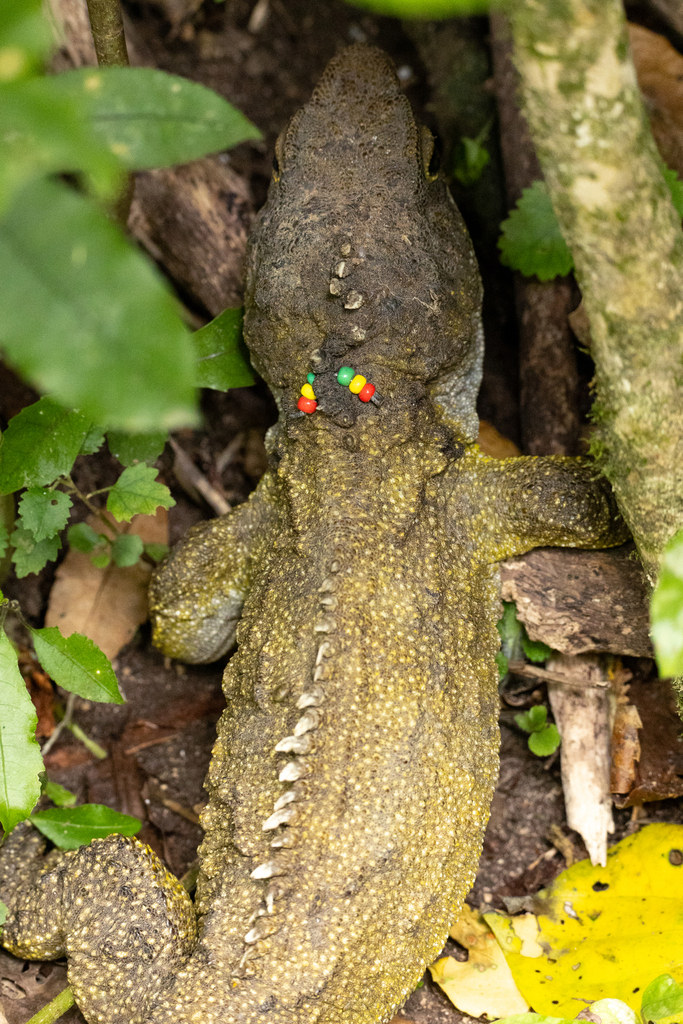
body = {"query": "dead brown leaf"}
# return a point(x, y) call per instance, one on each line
point(625, 748)
point(494, 444)
point(660, 76)
point(109, 604)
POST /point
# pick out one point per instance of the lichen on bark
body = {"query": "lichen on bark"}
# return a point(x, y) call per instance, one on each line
point(581, 98)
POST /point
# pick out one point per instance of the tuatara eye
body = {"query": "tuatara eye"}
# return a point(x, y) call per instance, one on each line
point(431, 153)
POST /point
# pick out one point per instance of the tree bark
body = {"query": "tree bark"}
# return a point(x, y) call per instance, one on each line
point(604, 174)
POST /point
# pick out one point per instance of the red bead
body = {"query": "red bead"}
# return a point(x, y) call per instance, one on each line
point(366, 393)
point(307, 404)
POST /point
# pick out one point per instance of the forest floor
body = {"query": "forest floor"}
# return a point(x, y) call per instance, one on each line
point(265, 57)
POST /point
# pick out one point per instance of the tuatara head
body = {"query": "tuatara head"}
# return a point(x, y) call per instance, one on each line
point(360, 256)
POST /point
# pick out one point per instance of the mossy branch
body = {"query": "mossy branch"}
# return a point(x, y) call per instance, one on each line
point(581, 99)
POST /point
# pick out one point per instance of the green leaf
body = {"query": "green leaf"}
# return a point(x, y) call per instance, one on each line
point(20, 758)
point(25, 39)
point(533, 719)
point(471, 158)
point(86, 317)
point(502, 663)
point(44, 133)
point(40, 444)
point(77, 664)
point(92, 441)
point(59, 795)
point(30, 555)
point(666, 610)
point(544, 742)
point(675, 186)
point(130, 448)
point(222, 358)
point(4, 536)
point(427, 8)
point(148, 118)
point(663, 997)
point(531, 240)
point(535, 650)
point(157, 552)
point(126, 549)
point(102, 560)
point(137, 491)
point(3, 909)
point(83, 538)
point(44, 512)
point(69, 828)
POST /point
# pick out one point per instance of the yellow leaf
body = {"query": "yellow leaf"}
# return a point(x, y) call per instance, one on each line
point(601, 932)
point(482, 985)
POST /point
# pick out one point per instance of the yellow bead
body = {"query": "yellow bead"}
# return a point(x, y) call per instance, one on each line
point(307, 392)
point(357, 384)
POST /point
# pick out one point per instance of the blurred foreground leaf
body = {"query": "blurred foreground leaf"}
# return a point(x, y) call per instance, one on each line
point(148, 118)
point(85, 316)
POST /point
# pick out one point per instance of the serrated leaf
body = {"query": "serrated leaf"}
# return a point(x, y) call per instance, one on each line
point(149, 118)
point(30, 555)
point(666, 610)
point(222, 358)
point(531, 240)
point(85, 317)
point(544, 742)
point(535, 650)
point(126, 549)
point(83, 538)
point(92, 441)
point(40, 444)
point(44, 513)
point(675, 186)
point(137, 491)
point(533, 719)
point(69, 828)
point(20, 758)
point(76, 664)
point(59, 794)
point(130, 448)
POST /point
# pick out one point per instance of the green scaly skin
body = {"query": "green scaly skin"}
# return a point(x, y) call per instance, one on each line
point(355, 763)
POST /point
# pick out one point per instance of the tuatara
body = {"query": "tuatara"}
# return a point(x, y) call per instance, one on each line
point(355, 762)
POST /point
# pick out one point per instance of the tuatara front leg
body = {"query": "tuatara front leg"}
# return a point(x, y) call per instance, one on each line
point(196, 598)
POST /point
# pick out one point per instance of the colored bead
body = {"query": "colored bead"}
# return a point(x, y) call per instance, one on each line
point(310, 377)
point(357, 384)
point(307, 392)
point(366, 393)
point(306, 404)
point(345, 375)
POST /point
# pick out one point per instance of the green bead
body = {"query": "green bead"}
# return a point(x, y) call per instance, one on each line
point(346, 375)
point(310, 377)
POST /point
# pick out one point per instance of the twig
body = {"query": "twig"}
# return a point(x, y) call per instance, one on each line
point(107, 32)
point(187, 467)
point(55, 1008)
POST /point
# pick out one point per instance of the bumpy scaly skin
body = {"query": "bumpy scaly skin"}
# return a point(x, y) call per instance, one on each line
point(355, 763)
